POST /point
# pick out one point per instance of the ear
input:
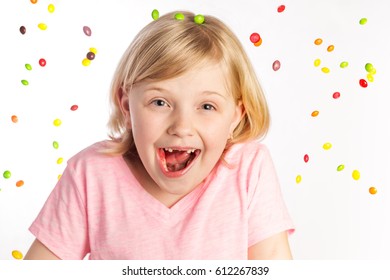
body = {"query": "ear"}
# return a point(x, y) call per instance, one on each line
point(238, 115)
point(123, 101)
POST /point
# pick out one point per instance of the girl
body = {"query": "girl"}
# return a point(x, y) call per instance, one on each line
point(184, 175)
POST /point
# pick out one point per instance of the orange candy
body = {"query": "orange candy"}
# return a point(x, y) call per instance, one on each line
point(19, 183)
point(318, 41)
point(14, 119)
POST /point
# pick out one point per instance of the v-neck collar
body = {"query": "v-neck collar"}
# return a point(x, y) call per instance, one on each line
point(154, 206)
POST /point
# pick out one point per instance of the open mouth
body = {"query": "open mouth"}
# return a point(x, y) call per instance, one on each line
point(176, 161)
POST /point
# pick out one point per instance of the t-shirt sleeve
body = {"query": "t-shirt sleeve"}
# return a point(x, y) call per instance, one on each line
point(268, 214)
point(61, 224)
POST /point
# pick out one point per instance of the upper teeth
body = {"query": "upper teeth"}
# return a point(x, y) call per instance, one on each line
point(171, 150)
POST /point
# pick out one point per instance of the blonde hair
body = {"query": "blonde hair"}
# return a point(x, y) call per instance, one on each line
point(166, 48)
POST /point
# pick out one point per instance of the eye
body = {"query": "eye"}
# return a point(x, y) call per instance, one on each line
point(159, 103)
point(208, 107)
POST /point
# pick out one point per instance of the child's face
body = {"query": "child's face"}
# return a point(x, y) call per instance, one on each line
point(181, 125)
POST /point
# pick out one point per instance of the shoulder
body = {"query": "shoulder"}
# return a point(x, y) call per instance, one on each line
point(247, 152)
point(92, 156)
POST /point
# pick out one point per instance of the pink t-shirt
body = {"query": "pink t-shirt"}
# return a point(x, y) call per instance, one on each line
point(98, 207)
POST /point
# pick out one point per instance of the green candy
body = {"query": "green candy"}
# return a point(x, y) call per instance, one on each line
point(28, 67)
point(369, 67)
point(340, 167)
point(155, 14)
point(199, 19)
point(344, 64)
point(363, 21)
point(55, 145)
point(7, 174)
point(25, 82)
point(179, 16)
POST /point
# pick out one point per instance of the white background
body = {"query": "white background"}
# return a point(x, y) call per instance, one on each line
point(335, 216)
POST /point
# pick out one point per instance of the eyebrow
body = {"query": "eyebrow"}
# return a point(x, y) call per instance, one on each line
point(206, 92)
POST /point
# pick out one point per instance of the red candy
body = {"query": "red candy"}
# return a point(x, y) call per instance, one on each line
point(255, 37)
point(42, 62)
point(281, 8)
point(336, 95)
point(363, 83)
point(74, 107)
point(306, 158)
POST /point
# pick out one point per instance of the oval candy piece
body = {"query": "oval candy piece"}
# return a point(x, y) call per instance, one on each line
point(276, 65)
point(87, 31)
point(340, 167)
point(327, 146)
point(356, 175)
point(155, 14)
point(7, 174)
point(255, 37)
point(51, 8)
point(22, 30)
point(42, 26)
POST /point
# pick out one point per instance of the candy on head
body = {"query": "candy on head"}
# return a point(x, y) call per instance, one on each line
point(179, 16)
point(199, 19)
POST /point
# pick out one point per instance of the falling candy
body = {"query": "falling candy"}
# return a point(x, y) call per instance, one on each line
point(315, 113)
point(15, 253)
point(372, 190)
point(33, 1)
point(25, 82)
point(318, 41)
point(317, 62)
point(51, 8)
point(363, 21)
point(57, 122)
point(255, 37)
point(356, 175)
point(340, 167)
point(327, 146)
point(363, 83)
point(28, 67)
point(19, 183)
point(86, 62)
point(330, 48)
point(281, 8)
point(258, 43)
point(276, 65)
point(326, 70)
point(42, 26)
point(42, 62)
point(306, 158)
point(343, 64)
point(74, 107)
point(87, 31)
point(60, 160)
point(155, 14)
point(22, 30)
point(7, 174)
point(14, 119)
point(370, 77)
point(369, 67)
point(55, 145)
point(336, 95)
point(298, 179)
point(90, 55)
point(94, 50)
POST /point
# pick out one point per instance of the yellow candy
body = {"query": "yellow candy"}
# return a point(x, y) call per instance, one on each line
point(57, 122)
point(370, 77)
point(372, 190)
point(59, 177)
point(356, 175)
point(317, 62)
point(344, 64)
point(94, 50)
point(17, 254)
point(51, 8)
point(42, 26)
point(327, 146)
point(298, 179)
point(86, 62)
point(325, 70)
point(60, 160)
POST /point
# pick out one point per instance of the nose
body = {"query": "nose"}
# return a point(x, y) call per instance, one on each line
point(181, 124)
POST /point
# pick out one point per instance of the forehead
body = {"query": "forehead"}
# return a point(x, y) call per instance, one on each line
point(209, 76)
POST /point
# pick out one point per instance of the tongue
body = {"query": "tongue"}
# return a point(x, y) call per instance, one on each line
point(176, 157)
